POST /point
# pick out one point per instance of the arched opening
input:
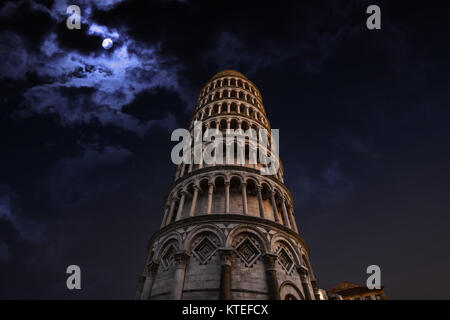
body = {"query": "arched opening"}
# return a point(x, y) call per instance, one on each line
point(216, 109)
point(202, 200)
point(223, 125)
point(218, 198)
point(252, 198)
point(187, 201)
point(177, 205)
point(234, 124)
point(266, 193)
point(244, 125)
point(233, 107)
point(278, 203)
point(224, 108)
point(236, 206)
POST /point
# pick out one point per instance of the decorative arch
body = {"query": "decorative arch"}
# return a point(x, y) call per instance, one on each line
point(165, 253)
point(249, 230)
point(280, 239)
point(203, 242)
point(289, 290)
point(249, 178)
point(217, 176)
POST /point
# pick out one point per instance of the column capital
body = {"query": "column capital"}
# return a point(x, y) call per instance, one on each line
point(181, 258)
point(302, 270)
point(270, 259)
point(152, 268)
point(225, 255)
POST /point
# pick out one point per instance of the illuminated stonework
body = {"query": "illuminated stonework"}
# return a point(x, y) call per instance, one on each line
point(228, 232)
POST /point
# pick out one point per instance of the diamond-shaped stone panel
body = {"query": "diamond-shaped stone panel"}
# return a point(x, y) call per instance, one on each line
point(247, 251)
point(204, 250)
point(285, 260)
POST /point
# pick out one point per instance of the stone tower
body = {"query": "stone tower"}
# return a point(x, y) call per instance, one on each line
point(228, 232)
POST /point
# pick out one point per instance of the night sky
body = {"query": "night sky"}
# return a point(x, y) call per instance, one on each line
point(85, 133)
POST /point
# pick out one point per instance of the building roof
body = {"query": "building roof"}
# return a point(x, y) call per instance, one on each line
point(347, 288)
point(228, 73)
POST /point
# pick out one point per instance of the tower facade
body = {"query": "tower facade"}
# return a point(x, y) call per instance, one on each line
point(228, 231)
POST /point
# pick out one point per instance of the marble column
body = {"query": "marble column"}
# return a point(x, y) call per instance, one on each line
point(152, 269)
point(315, 289)
point(172, 208)
point(304, 279)
point(293, 222)
point(200, 166)
point(194, 202)
point(181, 261)
point(244, 197)
point(210, 194)
point(225, 273)
point(227, 196)
point(166, 214)
point(271, 273)
point(180, 207)
point(260, 202)
point(177, 174)
point(285, 214)
point(274, 206)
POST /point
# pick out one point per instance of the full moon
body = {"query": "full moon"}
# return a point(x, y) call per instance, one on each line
point(107, 43)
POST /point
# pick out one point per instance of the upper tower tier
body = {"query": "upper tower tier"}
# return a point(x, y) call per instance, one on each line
point(229, 102)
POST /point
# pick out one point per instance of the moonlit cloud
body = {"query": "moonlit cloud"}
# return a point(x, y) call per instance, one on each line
point(104, 82)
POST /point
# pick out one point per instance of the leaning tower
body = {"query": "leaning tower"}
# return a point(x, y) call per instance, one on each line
point(228, 231)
